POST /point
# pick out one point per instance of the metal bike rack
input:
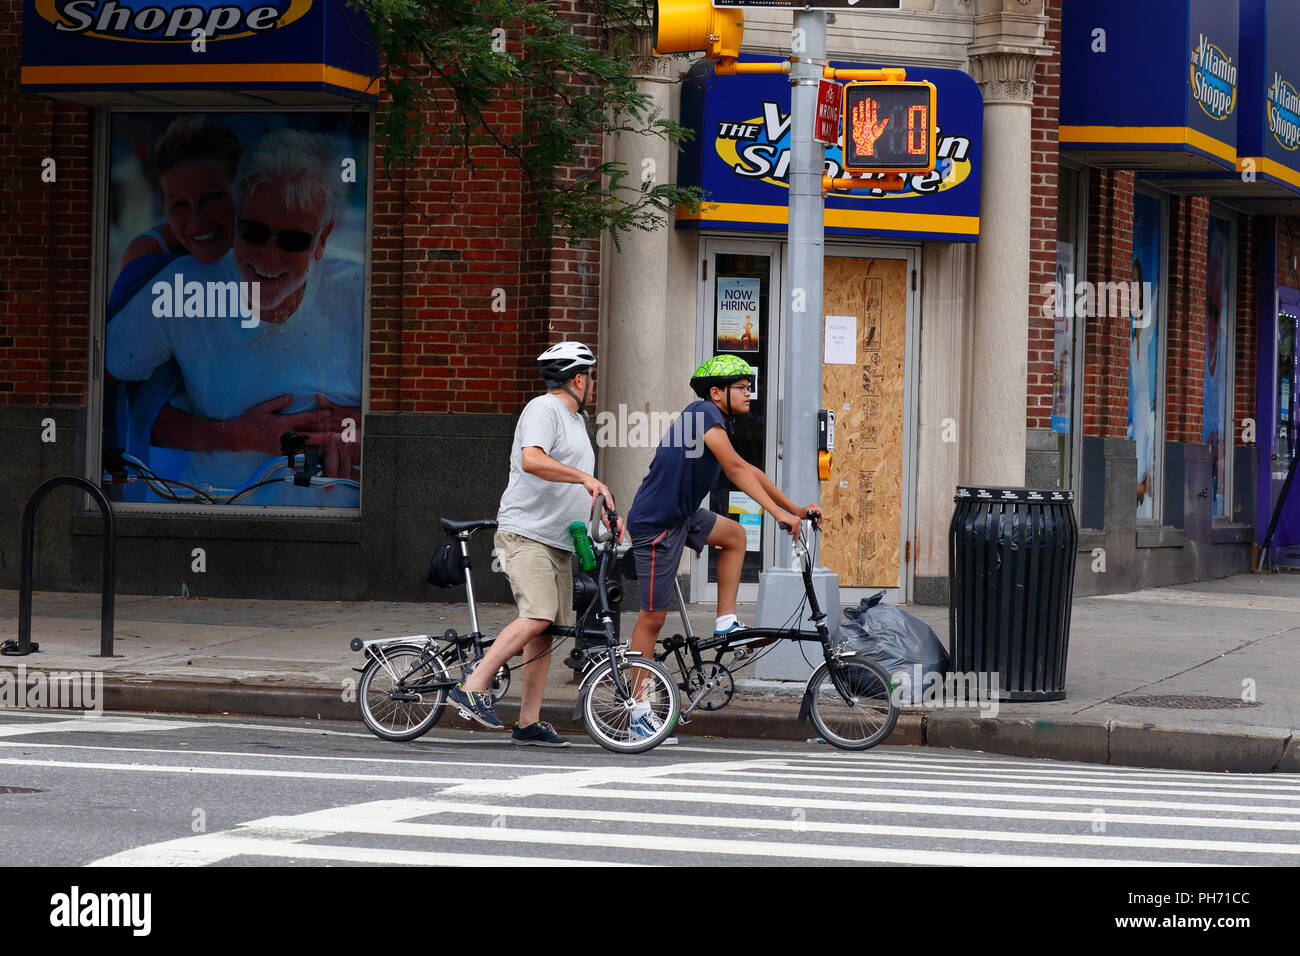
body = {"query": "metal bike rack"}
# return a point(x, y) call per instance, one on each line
point(24, 644)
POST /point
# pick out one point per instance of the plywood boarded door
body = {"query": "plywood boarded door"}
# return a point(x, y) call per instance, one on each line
point(864, 497)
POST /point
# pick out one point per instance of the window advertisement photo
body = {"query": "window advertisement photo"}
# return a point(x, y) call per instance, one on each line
point(1145, 350)
point(235, 314)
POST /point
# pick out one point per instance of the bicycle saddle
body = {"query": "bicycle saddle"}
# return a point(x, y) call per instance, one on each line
point(453, 527)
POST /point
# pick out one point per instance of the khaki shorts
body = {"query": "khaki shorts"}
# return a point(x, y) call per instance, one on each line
point(540, 576)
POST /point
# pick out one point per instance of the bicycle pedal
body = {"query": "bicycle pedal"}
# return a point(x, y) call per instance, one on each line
point(465, 715)
point(682, 719)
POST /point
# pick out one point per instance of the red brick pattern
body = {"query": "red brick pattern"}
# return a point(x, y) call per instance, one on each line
point(45, 243)
point(1106, 348)
point(1247, 324)
point(1045, 159)
point(1189, 222)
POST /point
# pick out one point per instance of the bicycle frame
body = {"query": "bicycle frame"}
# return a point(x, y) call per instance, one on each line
point(676, 645)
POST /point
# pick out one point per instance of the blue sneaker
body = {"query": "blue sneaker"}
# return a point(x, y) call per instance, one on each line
point(646, 723)
point(539, 734)
point(736, 641)
point(475, 706)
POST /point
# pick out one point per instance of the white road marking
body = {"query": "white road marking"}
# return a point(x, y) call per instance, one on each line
point(903, 777)
point(89, 725)
point(859, 806)
point(957, 794)
point(347, 817)
point(280, 836)
point(229, 771)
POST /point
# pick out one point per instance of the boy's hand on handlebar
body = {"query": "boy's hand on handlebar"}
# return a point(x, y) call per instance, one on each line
point(815, 513)
point(790, 523)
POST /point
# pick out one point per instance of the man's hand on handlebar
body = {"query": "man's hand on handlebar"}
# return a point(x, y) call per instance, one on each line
point(814, 512)
point(790, 524)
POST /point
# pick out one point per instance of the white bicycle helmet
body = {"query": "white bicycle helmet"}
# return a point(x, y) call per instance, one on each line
point(563, 360)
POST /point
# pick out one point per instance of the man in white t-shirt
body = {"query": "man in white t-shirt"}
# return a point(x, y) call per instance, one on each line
point(293, 363)
point(550, 486)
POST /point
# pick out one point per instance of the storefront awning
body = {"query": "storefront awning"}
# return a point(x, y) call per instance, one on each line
point(1151, 85)
point(212, 53)
point(740, 156)
point(1267, 180)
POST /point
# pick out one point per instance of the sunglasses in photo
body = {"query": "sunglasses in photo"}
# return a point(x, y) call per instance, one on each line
point(290, 240)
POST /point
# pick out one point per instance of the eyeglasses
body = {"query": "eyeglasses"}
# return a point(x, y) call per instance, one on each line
point(747, 389)
point(290, 240)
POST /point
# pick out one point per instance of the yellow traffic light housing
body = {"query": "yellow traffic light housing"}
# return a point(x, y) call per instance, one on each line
point(684, 26)
point(889, 127)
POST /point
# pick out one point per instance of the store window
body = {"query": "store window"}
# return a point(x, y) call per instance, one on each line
point(1146, 418)
point(742, 325)
point(234, 315)
point(1217, 422)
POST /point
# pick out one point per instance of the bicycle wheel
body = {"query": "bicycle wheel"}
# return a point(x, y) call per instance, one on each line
point(607, 715)
point(866, 718)
point(391, 719)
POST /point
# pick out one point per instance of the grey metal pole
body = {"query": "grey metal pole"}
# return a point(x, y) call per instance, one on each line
point(801, 389)
point(799, 393)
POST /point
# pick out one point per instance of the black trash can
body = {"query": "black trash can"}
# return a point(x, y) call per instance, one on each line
point(1011, 557)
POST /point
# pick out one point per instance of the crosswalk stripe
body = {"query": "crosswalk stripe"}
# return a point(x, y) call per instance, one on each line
point(228, 771)
point(928, 776)
point(709, 846)
point(955, 794)
point(89, 724)
point(223, 847)
point(858, 806)
point(420, 807)
point(944, 768)
point(962, 764)
point(926, 756)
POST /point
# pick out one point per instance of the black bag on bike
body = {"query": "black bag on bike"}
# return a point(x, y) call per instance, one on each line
point(445, 568)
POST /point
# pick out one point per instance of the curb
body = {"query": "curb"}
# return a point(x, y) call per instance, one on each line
point(1126, 743)
point(1123, 743)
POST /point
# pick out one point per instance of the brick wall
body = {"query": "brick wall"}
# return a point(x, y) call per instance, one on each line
point(445, 239)
point(1045, 159)
point(1110, 259)
point(1189, 220)
point(44, 246)
point(1247, 325)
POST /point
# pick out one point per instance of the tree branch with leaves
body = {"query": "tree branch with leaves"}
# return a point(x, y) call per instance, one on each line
point(458, 62)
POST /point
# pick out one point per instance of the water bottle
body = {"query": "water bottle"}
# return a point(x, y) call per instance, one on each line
point(582, 545)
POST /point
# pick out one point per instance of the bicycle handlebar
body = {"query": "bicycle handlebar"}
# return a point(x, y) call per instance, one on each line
point(598, 533)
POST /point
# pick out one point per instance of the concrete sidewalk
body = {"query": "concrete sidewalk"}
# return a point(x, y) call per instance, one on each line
point(1237, 640)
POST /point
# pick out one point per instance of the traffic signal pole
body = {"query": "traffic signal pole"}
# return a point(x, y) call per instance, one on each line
point(799, 395)
point(801, 391)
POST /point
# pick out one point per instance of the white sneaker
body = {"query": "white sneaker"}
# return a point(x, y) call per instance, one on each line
point(646, 723)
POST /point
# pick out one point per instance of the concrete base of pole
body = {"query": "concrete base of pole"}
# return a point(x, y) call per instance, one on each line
point(780, 591)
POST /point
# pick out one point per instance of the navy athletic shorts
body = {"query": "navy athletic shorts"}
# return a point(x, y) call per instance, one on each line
point(658, 555)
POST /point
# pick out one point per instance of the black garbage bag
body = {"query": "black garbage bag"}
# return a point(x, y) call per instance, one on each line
point(906, 646)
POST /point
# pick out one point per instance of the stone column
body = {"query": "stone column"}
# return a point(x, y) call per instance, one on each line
point(647, 336)
point(1008, 42)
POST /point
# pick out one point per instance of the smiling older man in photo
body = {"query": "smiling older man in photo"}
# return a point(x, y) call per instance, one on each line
point(297, 366)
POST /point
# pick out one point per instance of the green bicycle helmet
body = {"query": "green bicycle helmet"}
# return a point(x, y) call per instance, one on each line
point(721, 371)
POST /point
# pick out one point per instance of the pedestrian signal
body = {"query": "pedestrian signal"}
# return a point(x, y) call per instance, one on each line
point(684, 26)
point(889, 127)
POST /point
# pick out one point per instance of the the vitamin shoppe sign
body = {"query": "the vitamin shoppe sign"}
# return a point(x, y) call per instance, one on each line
point(146, 45)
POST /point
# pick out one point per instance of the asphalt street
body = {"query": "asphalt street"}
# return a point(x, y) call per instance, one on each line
point(163, 790)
